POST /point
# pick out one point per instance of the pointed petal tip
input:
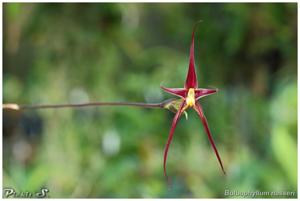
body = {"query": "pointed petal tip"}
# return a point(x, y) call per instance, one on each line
point(195, 26)
point(216, 90)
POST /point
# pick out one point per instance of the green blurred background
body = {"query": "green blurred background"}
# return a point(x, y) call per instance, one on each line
point(71, 53)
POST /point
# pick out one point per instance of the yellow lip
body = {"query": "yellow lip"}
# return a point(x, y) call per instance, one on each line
point(190, 99)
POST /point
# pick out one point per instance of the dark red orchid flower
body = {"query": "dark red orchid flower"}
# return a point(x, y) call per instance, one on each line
point(190, 95)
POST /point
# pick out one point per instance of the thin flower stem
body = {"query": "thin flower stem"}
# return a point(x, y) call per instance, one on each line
point(54, 106)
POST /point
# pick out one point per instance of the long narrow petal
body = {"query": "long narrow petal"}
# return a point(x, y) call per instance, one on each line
point(174, 123)
point(181, 92)
point(199, 110)
point(199, 93)
point(191, 79)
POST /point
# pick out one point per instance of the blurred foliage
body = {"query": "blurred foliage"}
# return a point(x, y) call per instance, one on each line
point(59, 53)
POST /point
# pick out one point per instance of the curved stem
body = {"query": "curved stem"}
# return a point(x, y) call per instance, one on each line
point(54, 106)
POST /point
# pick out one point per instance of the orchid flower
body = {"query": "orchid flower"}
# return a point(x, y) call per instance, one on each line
point(190, 96)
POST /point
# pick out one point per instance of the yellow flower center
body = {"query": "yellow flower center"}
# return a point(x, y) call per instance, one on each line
point(190, 99)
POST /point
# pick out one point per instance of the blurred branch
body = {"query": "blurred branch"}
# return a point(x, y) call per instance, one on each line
point(165, 104)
